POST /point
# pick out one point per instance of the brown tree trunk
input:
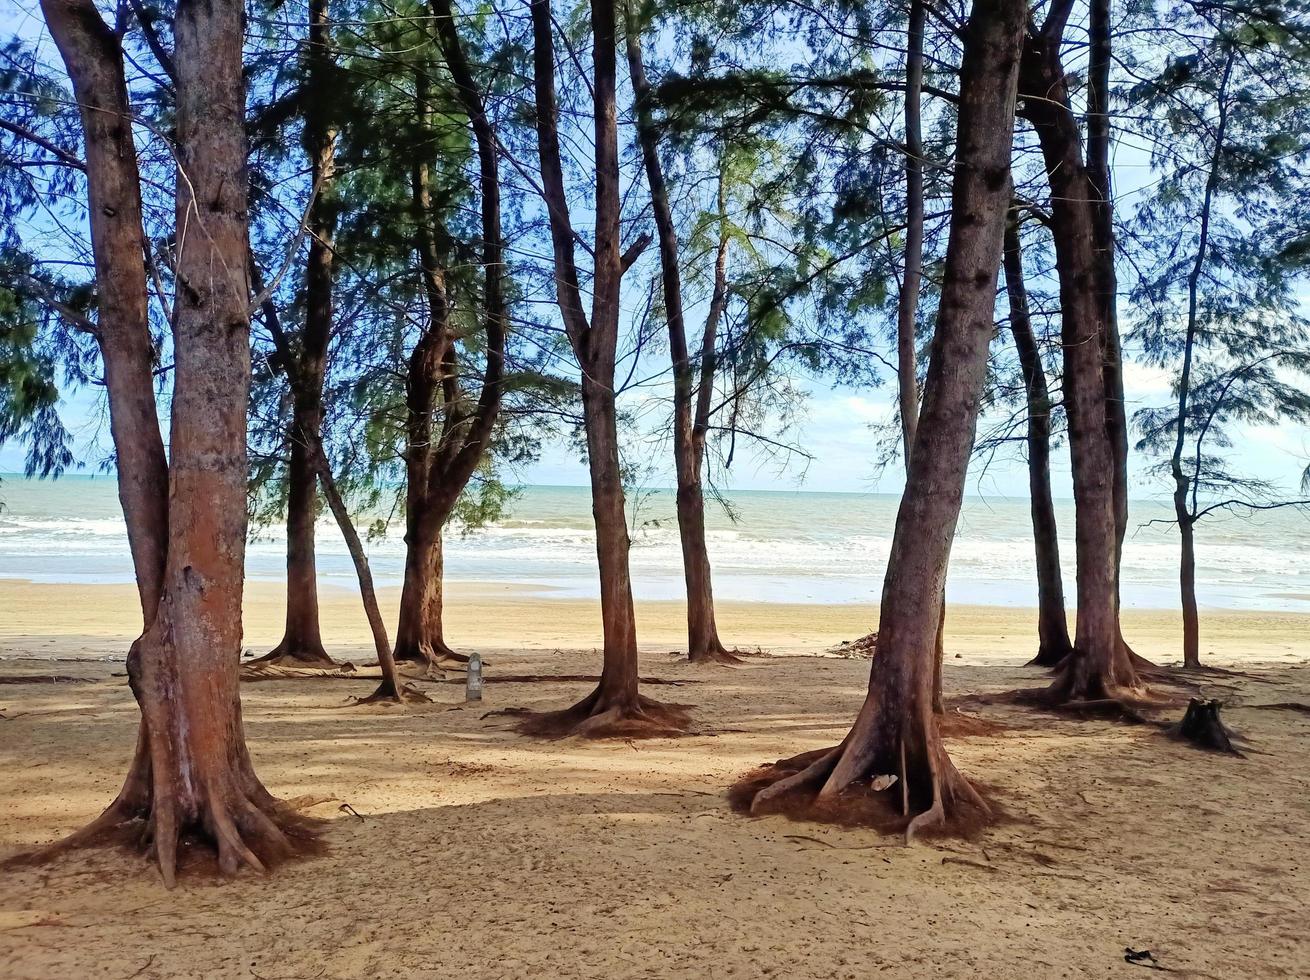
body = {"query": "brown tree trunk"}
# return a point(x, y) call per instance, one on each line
point(1100, 669)
point(419, 636)
point(94, 60)
point(615, 708)
point(703, 643)
point(192, 777)
point(895, 740)
point(1187, 586)
point(1053, 643)
point(302, 642)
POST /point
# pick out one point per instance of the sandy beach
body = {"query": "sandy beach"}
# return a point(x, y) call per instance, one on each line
point(467, 850)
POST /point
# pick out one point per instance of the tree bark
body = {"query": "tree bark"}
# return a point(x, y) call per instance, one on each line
point(191, 777)
point(614, 708)
point(703, 643)
point(1100, 668)
point(1053, 643)
point(895, 738)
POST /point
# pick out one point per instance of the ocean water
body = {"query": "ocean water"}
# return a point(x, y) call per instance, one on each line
point(781, 547)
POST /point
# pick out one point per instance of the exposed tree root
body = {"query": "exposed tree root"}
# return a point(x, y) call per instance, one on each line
point(1297, 706)
point(43, 679)
point(264, 669)
point(287, 654)
point(716, 653)
point(235, 823)
point(1122, 704)
point(1201, 726)
point(431, 657)
point(567, 679)
point(597, 716)
point(387, 694)
point(914, 793)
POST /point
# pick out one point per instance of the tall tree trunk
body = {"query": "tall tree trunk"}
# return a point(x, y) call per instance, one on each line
point(192, 777)
point(302, 641)
point(93, 57)
point(615, 708)
point(703, 643)
point(895, 739)
point(1100, 668)
point(1052, 625)
point(907, 304)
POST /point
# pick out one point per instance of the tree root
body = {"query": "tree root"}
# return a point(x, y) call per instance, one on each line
point(839, 785)
point(598, 717)
point(1123, 704)
point(863, 647)
point(716, 654)
point(264, 669)
point(233, 830)
point(1051, 657)
point(289, 655)
point(431, 658)
point(387, 694)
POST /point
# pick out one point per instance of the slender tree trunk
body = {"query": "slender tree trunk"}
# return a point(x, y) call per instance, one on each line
point(703, 643)
point(907, 306)
point(1052, 625)
point(94, 60)
point(615, 708)
point(1100, 667)
point(895, 739)
point(302, 641)
point(1183, 483)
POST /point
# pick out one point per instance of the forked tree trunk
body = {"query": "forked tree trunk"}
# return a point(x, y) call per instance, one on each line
point(191, 777)
point(302, 641)
point(1100, 669)
point(615, 708)
point(895, 740)
point(689, 427)
point(1052, 625)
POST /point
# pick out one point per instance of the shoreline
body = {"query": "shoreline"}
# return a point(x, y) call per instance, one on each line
point(70, 621)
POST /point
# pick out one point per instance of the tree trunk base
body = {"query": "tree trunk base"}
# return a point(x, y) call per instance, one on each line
point(1082, 692)
point(388, 694)
point(432, 658)
point(290, 653)
point(1050, 656)
point(240, 824)
point(714, 653)
point(598, 716)
point(1201, 726)
point(910, 789)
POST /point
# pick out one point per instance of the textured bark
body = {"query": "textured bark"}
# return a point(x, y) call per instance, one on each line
point(1101, 665)
point(191, 777)
point(302, 640)
point(615, 708)
point(690, 414)
point(895, 739)
point(1052, 625)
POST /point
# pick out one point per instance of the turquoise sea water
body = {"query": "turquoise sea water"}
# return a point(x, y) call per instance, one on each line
point(784, 546)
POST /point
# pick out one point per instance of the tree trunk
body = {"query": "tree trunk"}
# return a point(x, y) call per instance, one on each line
point(94, 60)
point(895, 739)
point(1187, 583)
point(703, 643)
point(615, 708)
point(419, 636)
point(302, 642)
point(191, 777)
point(1052, 625)
point(1100, 668)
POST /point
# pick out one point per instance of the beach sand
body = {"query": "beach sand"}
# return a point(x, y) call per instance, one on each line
point(478, 854)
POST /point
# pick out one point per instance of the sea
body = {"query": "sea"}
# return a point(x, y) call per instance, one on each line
point(766, 546)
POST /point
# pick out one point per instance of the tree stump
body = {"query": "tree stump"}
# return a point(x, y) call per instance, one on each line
point(1201, 726)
